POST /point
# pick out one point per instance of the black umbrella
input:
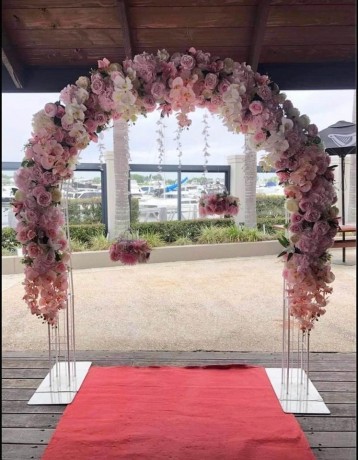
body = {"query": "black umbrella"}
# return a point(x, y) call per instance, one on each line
point(340, 139)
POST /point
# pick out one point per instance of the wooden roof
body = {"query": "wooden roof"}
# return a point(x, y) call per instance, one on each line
point(301, 44)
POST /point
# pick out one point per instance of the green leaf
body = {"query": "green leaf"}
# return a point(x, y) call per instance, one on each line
point(289, 256)
point(282, 253)
point(283, 241)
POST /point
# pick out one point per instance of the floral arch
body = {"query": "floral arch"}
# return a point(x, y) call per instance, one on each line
point(246, 101)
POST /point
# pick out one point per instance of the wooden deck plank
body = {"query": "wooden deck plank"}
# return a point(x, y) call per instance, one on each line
point(21, 383)
point(332, 439)
point(345, 453)
point(326, 423)
point(22, 451)
point(30, 420)
point(26, 435)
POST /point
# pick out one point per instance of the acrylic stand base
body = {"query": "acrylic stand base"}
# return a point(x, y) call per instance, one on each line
point(62, 389)
point(301, 396)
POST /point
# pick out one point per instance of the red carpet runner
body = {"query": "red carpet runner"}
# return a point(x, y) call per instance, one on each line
point(152, 413)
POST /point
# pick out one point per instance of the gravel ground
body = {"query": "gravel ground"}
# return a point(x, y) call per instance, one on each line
point(225, 304)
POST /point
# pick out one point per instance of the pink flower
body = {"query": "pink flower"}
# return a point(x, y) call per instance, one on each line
point(97, 84)
point(187, 62)
point(256, 107)
point(157, 90)
point(259, 137)
point(103, 63)
point(44, 198)
point(50, 109)
point(33, 250)
point(312, 215)
point(211, 80)
point(296, 217)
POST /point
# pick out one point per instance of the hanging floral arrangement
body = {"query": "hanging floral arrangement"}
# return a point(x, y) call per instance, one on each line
point(129, 250)
point(221, 204)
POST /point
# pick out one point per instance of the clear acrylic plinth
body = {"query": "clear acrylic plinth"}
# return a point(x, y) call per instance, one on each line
point(299, 396)
point(61, 384)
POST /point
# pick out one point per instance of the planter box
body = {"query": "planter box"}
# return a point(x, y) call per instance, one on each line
point(99, 259)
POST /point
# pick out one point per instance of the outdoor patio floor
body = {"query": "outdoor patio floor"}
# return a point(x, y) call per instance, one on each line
point(28, 429)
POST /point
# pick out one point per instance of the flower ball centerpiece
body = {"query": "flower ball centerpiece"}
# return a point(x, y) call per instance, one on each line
point(221, 204)
point(129, 251)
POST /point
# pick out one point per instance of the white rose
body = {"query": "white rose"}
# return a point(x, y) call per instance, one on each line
point(304, 121)
point(291, 205)
point(83, 82)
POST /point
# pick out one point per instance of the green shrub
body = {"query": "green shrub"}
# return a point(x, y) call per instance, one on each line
point(85, 210)
point(266, 223)
point(99, 243)
point(270, 205)
point(173, 230)
point(85, 232)
point(183, 241)
point(9, 242)
point(78, 246)
point(213, 235)
point(249, 235)
point(154, 240)
point(134, 211)
point(232, 234)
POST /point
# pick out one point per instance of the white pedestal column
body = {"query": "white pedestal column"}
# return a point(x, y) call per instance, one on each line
point(237, 184)
point(111, 196)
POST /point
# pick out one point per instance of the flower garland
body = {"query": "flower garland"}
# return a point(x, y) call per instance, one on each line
point(221, 204)
point(246, 101)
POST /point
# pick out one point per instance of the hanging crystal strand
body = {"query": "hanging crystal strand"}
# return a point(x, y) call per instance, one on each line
point(206, 144)
point(160, 142)
point(177, 138)
point(101, 148)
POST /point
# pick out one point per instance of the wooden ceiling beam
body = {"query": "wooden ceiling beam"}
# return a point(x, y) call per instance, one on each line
point(11, 61)
point(263, 9)
point(127, 39)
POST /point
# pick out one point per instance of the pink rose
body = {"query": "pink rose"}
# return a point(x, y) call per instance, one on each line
point(103, 63)
point(44, 199)
point(259, 137)
point(211, 80)
point(256, 107)
point(312, 215)
point(157, 90)
point(187, 62)
point(60, 111)
point(100, 118)
point(264, 92)
point(33, 250)
point(50, 109)
point(223, 86)
point(312, 130)
point(97, 84)
point(296, 217)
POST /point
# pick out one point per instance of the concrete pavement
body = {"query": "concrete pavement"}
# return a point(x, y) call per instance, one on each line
point(224, 304)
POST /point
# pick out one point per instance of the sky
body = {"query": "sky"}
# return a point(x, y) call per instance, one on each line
point(324, 108)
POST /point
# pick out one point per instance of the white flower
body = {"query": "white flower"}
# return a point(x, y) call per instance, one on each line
point(293, 113)
point(304, 121)
point(163, 55)
point(121, 83)
point(42, 121)
point(291, 205)
point(123, 98)
point(76, 110)
point(83, 82)
point(286, 124)
point(81, 95)
point(281, 98)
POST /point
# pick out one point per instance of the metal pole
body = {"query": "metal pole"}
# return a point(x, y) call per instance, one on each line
point(343, 207)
